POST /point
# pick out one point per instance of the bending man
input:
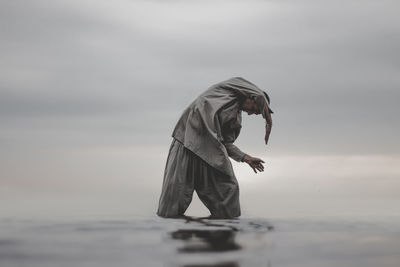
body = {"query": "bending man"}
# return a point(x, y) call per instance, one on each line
point(202, 142)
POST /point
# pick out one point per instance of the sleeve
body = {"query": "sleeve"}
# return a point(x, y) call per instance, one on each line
point(230, 136)
point(234, 152)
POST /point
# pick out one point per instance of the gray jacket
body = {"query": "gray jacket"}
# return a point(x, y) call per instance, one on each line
point(212, 122)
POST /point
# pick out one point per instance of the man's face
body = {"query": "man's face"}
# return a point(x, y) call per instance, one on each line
point(250, 107)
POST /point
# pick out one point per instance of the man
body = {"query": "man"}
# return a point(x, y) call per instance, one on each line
point(202, 142)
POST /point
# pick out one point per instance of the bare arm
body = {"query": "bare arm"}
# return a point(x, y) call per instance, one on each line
point(268, 124)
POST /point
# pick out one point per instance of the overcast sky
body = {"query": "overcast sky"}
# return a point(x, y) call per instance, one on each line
point(90, 92)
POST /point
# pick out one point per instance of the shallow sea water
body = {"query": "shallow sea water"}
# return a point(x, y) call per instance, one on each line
point(154, 241)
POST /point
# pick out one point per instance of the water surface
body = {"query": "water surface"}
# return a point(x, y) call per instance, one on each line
point(153, 241)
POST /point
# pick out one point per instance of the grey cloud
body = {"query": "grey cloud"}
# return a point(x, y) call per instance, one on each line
point(331, 72)
point(90, 92)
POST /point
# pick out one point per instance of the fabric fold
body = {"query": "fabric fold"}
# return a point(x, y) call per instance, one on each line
point(212, 122)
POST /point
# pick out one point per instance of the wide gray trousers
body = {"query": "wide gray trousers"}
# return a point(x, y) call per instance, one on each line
point(186, 172)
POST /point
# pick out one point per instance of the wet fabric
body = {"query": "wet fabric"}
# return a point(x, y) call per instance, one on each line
point(186, 172)
point(210, 125)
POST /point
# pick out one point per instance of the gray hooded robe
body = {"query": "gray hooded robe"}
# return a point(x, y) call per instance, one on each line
point(202, 142)
point(212, 122)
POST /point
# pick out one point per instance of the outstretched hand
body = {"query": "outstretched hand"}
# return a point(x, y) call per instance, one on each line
point(254, 163)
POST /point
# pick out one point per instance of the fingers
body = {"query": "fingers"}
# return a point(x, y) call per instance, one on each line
point(258, 167)
point(258, 160)
point(253, 169)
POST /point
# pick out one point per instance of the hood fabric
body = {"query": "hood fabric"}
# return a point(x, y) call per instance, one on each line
point(199, 128)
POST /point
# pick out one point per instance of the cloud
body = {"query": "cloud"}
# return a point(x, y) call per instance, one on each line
point(90, 92)
point(101, 67)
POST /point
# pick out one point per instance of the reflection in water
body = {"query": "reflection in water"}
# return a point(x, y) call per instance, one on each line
point(206, 240)
point(215, 237)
